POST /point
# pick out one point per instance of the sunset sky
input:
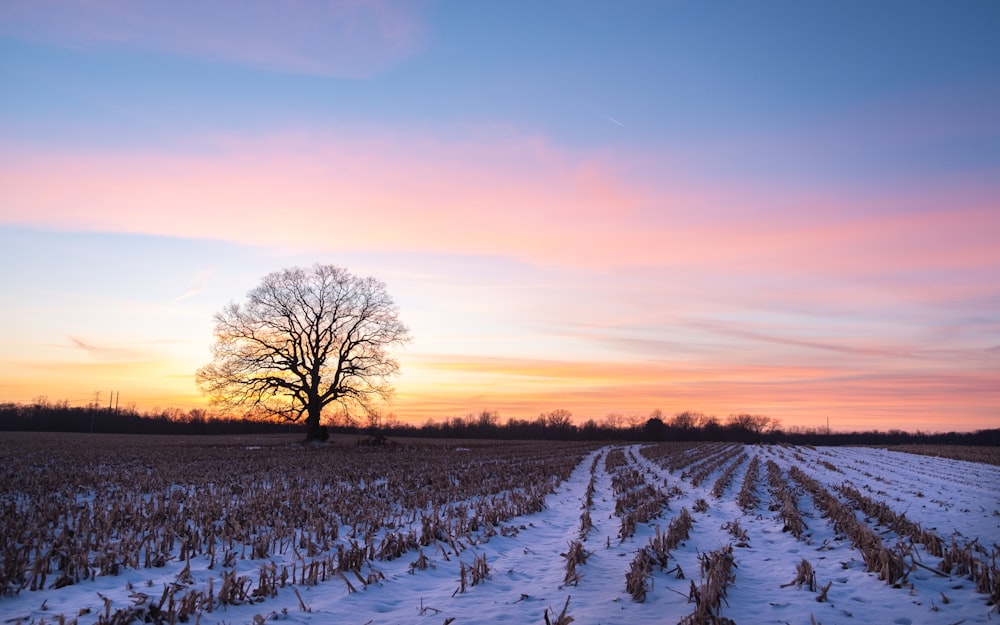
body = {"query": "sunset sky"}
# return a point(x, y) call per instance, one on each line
point(787, 208)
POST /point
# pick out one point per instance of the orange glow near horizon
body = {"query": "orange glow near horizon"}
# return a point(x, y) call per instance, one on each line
point(797, 396)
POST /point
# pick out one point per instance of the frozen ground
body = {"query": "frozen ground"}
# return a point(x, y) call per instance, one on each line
point(526, 570)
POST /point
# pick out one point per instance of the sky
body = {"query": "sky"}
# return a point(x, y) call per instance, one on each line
point(781, 208)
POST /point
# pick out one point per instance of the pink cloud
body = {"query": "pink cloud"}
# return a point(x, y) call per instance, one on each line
point(504, 194)
point(345, 38)
point(509, 197)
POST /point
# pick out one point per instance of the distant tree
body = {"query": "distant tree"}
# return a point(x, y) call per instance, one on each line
point(635, 421)
point(749, 427)
point(686, 420)
point(614, 420)
point(483, 424)
point(488, 419)
point(304, 339)
point(654, 429)
point(558, 419)
point(684, 426)
point(378, 426)
point(590, 430)
point(711, 429)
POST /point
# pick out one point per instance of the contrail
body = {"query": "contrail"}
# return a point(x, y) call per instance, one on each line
point(613, 120)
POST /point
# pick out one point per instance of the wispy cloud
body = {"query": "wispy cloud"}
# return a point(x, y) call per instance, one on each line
point(105, 352)
point(346, 38)
point(840, 347)
point(199, 281)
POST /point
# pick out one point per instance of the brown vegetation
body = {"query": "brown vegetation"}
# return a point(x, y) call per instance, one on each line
point(969, 453)
point(717, 575)
point(784, 501)
point(77, 508)
point(888, 563)
point(721, 484)
point(747, 498)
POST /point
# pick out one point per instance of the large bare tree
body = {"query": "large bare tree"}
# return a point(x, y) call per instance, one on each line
point(304, 339)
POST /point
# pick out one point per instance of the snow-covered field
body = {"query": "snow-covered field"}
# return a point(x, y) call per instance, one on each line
point(526, 580)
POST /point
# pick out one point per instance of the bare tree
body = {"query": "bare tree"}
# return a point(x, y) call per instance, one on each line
point(378, 426)
point(560, 418)
point(686, 420)
point(750, 426)
point(486, 420)
point(304, 339)
point(614, 420)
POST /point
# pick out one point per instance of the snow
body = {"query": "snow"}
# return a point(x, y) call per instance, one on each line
point(526, 570)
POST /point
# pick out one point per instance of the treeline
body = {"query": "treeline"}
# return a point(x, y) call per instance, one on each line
point(555, 425)
point(43, 416)
point(685, 426)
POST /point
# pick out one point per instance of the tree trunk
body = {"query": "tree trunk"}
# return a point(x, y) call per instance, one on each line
point(315, 431)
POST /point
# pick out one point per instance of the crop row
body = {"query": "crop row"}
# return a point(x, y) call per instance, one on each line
point(675, 456)
point(636, 501)
point(888, 563)
point(69, 515)
point(717, 568)
point(962, 560)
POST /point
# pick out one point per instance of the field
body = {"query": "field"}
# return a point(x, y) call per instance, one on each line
point(115, 529)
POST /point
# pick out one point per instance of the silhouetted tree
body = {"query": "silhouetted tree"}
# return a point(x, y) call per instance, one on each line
point(615, 421)
point(654, 429)
point(748, 428)
point(304, 339)
point(685, 425)
point(590, 430)
point(711, 428)
point(483, 424)
point(378, 426)
point(559, 420)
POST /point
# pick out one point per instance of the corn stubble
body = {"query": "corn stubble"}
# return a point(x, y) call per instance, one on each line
point(717, 574)
point(77, 513)
point(575, 556)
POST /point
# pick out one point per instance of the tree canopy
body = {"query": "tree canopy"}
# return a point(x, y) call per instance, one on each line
point(305, 338)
